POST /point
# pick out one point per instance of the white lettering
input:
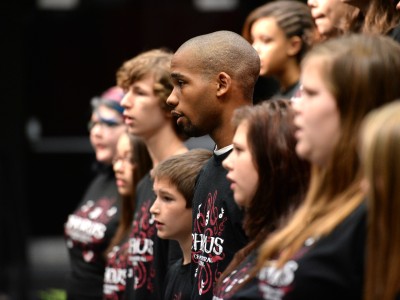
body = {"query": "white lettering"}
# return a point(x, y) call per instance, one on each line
point(201, 242)
point(77, 225)
point(279, 277)
point(115, 276)
point(140, 246)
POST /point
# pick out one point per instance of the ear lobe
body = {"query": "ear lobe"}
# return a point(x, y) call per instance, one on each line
point(223, 84)
point(295, 44)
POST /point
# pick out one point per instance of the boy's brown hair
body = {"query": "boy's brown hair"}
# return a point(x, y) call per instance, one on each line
point(182, 170)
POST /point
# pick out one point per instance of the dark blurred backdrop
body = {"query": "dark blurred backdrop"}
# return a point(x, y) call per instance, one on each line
point(57, 55)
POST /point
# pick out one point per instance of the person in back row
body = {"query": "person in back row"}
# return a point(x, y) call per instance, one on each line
point(281, 32)
point(334, 18)
point(213, 74)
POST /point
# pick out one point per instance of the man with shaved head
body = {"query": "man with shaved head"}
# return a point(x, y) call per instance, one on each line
point(213, 74)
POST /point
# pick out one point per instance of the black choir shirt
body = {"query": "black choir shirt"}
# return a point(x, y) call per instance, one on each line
point(88, 232)
point(115, 272)
point(293, 92)
point(178, 282)
point(330, 268)
point(148, 255)
point(236, 280)
point(217, 232)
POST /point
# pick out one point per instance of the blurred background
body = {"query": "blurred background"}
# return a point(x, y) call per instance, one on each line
point(57, 55)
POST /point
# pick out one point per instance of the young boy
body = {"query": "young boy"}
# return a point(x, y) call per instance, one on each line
point(174, 181)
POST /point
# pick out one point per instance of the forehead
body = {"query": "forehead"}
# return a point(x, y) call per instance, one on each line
point(313, 66)
point(328, 3)
point(147, 80)
point(265, 23)
point(241, 132)
point(163, 182)
point(185, 61)
point(105, 112)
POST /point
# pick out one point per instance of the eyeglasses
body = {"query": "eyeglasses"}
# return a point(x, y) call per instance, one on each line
point(104, 123)
point(125, 160)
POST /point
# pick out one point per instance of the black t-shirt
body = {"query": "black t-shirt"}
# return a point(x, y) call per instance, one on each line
point(115, 272)
point(148, 255)
point(331, 268)
point(231, 284)
point(291, 93)
point(177, 282)
point(88, 232)
point(217, 232)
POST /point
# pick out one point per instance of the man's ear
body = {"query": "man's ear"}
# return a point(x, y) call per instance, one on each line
point(295, 44)
point(224, 82)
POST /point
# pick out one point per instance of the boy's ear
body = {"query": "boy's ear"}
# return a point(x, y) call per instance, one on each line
point(295, 44)
point(224, 82)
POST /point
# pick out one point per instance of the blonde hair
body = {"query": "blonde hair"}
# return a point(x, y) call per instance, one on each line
point(379, 149)
point(334, 190)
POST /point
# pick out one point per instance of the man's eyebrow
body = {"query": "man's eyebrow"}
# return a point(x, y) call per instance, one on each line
point(176, 75)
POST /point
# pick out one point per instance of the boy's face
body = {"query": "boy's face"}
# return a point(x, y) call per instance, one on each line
point(194, 96)
point(142, 110)
point(173, 219)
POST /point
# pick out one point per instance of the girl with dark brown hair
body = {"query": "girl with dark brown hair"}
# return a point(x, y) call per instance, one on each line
point(268, 181)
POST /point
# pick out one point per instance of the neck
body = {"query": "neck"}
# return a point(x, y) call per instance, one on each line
point(186, 246)
point(223, 134)
point(290, 76)
point(164, 144)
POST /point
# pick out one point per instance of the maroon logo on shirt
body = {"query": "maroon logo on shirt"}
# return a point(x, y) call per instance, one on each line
point(237, 277)
point(86, 227)
point(115, 272)
point(141, 251)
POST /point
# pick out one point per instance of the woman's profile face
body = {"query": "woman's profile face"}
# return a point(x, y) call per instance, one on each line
point(106, 125)
point(242, 172)
point(123, 166)
point(317, 116)
point(329, 16)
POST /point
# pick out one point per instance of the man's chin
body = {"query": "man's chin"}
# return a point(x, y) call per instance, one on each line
point(191, 131)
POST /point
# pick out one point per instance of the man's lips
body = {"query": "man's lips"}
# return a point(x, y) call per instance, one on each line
point(176, 114)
